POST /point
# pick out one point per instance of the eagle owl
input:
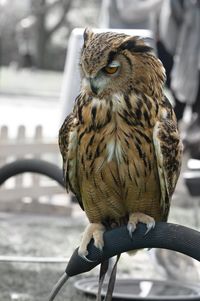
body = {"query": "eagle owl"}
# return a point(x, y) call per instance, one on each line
point(120, 146)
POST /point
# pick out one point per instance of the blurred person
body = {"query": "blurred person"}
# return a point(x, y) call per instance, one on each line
point(179, 50)
point(128, 14)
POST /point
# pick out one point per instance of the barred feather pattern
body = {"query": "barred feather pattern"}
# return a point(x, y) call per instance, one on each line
point(121, 148)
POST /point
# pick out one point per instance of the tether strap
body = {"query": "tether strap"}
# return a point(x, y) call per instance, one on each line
point(103, 271)
point(111, 283)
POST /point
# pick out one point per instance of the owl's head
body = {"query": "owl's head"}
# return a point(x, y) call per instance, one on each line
point(113, 62)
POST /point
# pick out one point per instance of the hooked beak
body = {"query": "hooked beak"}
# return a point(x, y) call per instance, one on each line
point(93, 86)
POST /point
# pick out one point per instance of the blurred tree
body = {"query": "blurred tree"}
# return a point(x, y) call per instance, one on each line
point(42, 28)
point(41, 10)
point(10, 14)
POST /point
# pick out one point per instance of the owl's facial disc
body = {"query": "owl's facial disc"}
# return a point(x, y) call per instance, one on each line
point(103, 77)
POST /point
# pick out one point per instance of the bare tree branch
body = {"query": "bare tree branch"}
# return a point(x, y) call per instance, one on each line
point(66, 7)
point(43, 7)
point(53, 5)
point(38, 7)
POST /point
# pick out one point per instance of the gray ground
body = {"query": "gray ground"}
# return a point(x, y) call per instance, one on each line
point(34, 236)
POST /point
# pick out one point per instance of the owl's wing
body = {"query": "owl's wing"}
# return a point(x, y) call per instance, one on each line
point(168, 151)
point(68, 148)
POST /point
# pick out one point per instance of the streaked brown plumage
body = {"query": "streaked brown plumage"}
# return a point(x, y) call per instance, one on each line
point(120, 146)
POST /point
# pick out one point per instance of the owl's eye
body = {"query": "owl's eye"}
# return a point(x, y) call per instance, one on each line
point(110, 70)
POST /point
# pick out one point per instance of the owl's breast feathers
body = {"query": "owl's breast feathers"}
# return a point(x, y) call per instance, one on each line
point(121, 155)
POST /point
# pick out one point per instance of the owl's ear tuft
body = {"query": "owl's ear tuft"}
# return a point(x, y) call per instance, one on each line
point(135, 44)
point(88, 33)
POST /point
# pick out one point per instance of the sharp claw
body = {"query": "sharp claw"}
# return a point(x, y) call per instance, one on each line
point(150, 226)
point(99, 247)
point(129, 231)
point(131, 228)
point(85, 258)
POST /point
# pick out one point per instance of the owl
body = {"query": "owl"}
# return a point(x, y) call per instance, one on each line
point(120, 146)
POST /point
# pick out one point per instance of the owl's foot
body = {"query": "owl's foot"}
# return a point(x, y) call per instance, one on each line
point(94, 231)
point(139, 217)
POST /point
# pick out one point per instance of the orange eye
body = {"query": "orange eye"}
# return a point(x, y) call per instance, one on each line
point(110, 70)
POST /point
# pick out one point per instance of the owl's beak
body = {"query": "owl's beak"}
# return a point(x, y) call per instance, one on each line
point(93, 86)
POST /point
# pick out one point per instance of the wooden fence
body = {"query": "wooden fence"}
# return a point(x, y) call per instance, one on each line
point(31, 192)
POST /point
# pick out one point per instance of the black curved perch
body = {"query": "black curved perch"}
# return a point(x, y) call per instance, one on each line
point(31, 165)
point(164, 235)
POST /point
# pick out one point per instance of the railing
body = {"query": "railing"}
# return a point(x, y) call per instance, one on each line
point(30, 192)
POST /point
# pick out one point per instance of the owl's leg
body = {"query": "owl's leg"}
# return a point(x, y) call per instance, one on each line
point(135, 218)
point(94, 231)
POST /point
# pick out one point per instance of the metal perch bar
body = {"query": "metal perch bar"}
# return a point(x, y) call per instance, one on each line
point(164, 235)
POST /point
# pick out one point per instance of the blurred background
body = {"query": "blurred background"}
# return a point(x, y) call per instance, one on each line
point(40, 43)
point(33, 46)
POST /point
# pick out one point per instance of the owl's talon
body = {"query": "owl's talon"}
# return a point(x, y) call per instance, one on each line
point(86, 259)
point(139, 217)
point(150, 226)
point(83, 253)
point(93, 231)
point(99, 247)
point(131, 228)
